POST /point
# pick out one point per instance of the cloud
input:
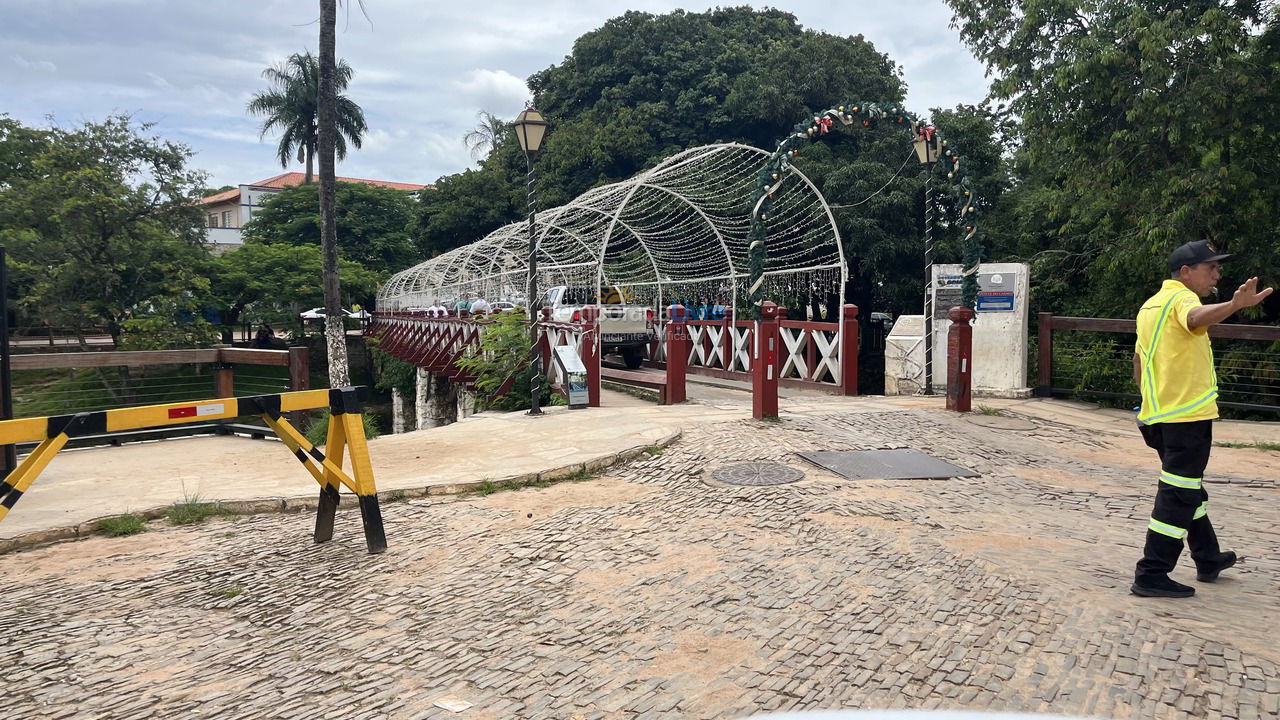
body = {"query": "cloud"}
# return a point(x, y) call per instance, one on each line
point(26, 64)
point(494, 90)
point(159, 81)
point(422, 70)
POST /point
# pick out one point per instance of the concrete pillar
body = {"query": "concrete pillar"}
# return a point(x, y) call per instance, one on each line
point(466, 404)
point(422, 400)
point(399, 414)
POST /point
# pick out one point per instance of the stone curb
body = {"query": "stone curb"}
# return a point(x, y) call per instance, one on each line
point(309, 502)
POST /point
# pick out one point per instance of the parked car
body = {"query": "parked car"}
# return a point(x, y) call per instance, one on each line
point(883, 319)
point(317, 313)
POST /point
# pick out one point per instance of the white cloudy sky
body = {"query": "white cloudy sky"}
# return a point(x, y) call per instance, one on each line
point(423, 68)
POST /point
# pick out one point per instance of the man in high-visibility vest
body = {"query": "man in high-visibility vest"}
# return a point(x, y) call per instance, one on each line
point(1173, 364)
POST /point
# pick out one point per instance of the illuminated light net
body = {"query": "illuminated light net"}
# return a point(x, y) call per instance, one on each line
point(675, 233)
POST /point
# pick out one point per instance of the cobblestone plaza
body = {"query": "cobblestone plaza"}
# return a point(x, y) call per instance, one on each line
point(651, 591)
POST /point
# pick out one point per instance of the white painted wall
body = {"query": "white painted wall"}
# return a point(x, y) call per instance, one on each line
point(999, 334)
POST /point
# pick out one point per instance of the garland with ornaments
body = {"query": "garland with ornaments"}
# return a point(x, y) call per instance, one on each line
point(867, 115)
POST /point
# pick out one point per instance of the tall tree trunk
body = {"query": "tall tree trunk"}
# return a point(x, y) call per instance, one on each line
point(310, 159)
point(335, 331)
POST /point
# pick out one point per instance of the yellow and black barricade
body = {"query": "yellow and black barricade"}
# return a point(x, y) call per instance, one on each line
point(346, 432)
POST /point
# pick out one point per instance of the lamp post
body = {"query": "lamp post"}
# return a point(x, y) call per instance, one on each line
point(531, 128)
point(928, 147)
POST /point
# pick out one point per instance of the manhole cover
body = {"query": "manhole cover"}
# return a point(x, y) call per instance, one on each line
point(757, 473)
point(876, 464)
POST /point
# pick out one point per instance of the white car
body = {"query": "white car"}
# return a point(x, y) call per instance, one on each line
point(317, 313)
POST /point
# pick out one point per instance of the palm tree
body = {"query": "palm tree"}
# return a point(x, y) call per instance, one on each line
point(487, 134)
point(291, 107)
point(328, 139)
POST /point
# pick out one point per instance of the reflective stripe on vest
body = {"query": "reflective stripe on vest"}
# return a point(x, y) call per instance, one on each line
point(1179, 481)
point(1172, 531)
point(1209, 395)
point(1201, 511)
point(1149, 366)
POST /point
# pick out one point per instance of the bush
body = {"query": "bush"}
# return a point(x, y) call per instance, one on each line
point(503, 354)
point(318, 433)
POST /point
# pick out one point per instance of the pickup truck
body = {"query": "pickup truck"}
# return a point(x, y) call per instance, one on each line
point(625, 328)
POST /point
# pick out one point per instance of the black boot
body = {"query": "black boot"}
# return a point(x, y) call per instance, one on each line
point(1161, 586)
point(1208, 572)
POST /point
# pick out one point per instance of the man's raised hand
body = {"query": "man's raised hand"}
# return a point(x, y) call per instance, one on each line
point(1248, 296)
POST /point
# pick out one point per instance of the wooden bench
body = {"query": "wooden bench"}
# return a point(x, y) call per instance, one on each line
point(647, 380)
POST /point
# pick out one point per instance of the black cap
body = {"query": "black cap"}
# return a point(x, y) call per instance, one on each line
point(1194, 253)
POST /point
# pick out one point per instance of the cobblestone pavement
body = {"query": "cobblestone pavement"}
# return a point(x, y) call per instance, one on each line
point(652, 593)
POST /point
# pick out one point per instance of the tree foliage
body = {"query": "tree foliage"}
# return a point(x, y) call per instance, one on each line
point(645, 86)
point(274, 282)
point(101, 222)
point(291, 108)
point(373, 223)
point(1139, 125)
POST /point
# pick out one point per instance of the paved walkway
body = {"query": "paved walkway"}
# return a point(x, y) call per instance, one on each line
point(652, 592)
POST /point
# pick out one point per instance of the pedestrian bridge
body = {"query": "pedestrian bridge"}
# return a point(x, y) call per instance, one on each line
point(674, 235)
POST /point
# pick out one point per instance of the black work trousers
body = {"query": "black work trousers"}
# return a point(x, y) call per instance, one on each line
point(1180, 511)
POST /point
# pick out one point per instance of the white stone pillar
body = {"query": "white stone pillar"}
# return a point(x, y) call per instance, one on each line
point(424, 405)
point(397, 411)
point(466, 404)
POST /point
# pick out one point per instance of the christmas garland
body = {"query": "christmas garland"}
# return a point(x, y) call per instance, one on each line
point(769, 181)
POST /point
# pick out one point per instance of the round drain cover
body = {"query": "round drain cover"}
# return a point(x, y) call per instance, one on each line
point(757, 474)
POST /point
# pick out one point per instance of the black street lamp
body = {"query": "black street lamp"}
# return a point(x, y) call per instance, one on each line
point(928, 148)
point(531, 128)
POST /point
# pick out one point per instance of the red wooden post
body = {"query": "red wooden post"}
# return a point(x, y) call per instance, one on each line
point(849, 344)
point(677, 353)
point(1044, 365)
point(959, 359)
point(726, 339)
point(591, 353)
point(764, 364)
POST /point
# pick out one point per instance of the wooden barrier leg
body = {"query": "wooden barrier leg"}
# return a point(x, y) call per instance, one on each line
point(12, 487)
point(329, 498)
point(375, 536)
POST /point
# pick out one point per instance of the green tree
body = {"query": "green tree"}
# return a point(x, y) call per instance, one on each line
point(1139, 128)
point(290, 108)
point(273, 283)
point(373, 222)
point(487, 134)
point(102, 224)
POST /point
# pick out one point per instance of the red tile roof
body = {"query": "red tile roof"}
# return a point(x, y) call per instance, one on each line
point(291, 179)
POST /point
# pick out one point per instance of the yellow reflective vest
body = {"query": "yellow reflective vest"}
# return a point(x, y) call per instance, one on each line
point(1179, 383)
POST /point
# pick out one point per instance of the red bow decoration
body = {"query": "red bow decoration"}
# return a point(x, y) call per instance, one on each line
point(926, 133)
point(824, 124)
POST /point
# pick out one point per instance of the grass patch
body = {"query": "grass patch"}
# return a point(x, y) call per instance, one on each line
point(397, 496)
point(193, 510)
point(988, 410)
point(654, 451)
point(229, 592)
point(318, 433)
point(1256, 445)
point(121, 525)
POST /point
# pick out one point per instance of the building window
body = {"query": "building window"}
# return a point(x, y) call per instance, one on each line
point(213, 220)
point(226, 218)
